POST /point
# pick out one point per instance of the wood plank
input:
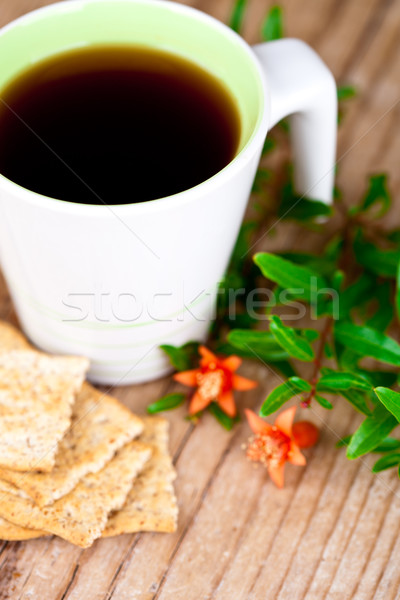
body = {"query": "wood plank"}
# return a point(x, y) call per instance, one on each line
point(381, 552)
point(305, 22)
point(389, 584)
point(354, 559)
point(271, 518)
point(350, 29)
point(368, 136)
point(196, 468)
point(296, 519)
point(332, 532)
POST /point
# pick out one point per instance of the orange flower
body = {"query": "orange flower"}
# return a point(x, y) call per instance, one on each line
point(215, 379)
point(273, 445)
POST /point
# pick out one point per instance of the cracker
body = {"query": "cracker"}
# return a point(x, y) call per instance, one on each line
point(80, 516)
point(100, 426)
point(37, 392)
point(11, 338)
point(11, 532)
point(151, 504)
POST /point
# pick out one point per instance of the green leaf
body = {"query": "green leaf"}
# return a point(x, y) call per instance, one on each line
point(284, 367)
point(182, 357)
point(334, 248)
point(368, 342)
point(168, 402)
point(300, 281)
point(269, 145)
point(281, 394)
point(374, 259)
point(301, 384)
point(257, 344)
point(372, 431)
point(323, 402)
point(383, 316)
point(379, 378)
point(337, 280)
point(308, 334)
point(377, 196)
point(240, 320)
point(237, 16)
point(398, 291)
point(239, 276)
point(356, 399)
point(351, 386)
point(343, 442)
point(356, 294)
point(387, 445)
point(390, 399)
point(394, 236)
point(297, 208)
point(222, 418)
point(323, 265)
point(272, 27)
point(347, 359)
point(296, 346)
point(284, 126)
point(382, 262)
point(345, 92)
point(228, 349)
point(262, 177)
point(386, 462)
point(243, 242)
point(340, 380)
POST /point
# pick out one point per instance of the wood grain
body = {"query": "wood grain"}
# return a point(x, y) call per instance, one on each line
point(333, 531)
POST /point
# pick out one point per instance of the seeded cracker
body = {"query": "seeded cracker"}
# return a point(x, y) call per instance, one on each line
point(100, 426)
point(80, 516)
point(37, 392)
point(151, 504)
point(11, 532)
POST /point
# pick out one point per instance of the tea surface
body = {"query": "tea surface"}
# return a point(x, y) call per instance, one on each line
point(115, 125)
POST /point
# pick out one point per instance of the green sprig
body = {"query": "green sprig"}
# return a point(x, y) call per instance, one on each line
point(349, 288)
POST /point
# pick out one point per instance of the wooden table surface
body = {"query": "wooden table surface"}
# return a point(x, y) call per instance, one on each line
point(333, 531)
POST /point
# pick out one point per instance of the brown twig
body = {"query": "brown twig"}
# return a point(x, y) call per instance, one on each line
point(318, 362)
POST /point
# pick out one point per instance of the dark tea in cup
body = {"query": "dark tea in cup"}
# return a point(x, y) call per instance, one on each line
point(115, 125)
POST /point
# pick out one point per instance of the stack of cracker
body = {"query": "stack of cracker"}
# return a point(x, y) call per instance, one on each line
point(75, 462)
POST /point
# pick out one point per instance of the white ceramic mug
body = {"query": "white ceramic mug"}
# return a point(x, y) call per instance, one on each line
point(115, 282)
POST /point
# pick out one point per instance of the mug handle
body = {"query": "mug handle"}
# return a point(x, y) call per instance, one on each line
point(302, 87)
